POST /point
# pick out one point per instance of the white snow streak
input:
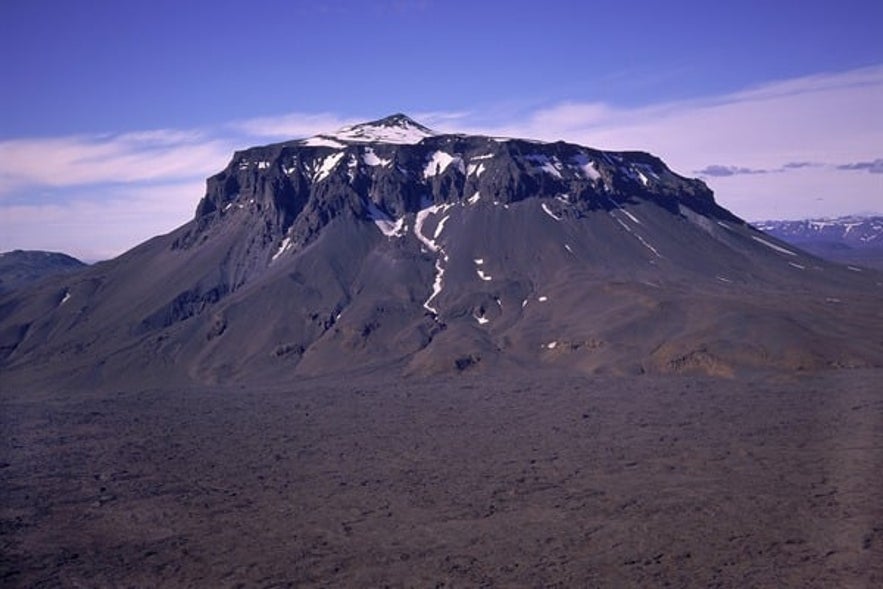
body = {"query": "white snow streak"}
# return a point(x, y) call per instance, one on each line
point(483, 276)
point(440, 227)
point(328, 165)
point(772, 245)
point(436, 286)
point(622, 223)
point(647, 245)
point(630, 216)
point(283, 247)
point(474, 198)
point(476, 169)
point(550, 213)
point(323, 141)
point(66, 297)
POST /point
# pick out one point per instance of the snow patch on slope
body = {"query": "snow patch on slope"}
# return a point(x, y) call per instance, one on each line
point(545, 163)
point(322, 141)
point(439, 161)
point(283, 247)
point(327, 166)
point(587, 167)
point(476, 169)
point(386, 224)
point(372, 159)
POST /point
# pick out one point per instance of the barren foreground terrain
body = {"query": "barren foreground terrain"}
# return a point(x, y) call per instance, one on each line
point(473, 480)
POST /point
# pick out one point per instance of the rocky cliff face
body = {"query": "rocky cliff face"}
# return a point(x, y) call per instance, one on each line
point(386, 245)
point(387, 170)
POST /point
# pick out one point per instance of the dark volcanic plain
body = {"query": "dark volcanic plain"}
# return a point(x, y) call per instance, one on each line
point(540, 480)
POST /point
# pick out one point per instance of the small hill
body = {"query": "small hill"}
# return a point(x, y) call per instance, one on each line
point(21, 268)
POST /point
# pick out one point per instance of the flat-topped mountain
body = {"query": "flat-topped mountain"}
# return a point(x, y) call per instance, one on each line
point(389, 246)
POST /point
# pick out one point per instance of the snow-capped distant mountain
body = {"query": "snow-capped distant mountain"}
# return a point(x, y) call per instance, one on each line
point(850, 240)
point(386, 245)
point(854, 231)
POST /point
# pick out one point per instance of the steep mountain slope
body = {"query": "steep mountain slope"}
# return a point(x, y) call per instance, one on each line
point(20, 268)
point(387, 246)
point(849, 240)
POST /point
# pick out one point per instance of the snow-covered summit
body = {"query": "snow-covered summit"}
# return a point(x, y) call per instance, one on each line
point(397, 128)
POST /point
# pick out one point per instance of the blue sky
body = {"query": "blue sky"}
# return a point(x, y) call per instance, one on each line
point(113, 113)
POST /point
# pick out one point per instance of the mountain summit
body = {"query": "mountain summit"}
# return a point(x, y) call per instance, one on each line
point(385, 245)
point(397, 128)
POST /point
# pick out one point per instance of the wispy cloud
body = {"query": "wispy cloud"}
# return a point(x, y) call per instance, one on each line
point(148, 156)
point(874, 167)
point(800, 165)
point(721, 171)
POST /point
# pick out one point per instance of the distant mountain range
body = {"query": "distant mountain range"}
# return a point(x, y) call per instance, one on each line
point(850, 240)
point(388, 247)
point(21, 268)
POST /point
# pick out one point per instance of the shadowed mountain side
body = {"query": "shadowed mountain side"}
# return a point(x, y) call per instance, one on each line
point(389, 247)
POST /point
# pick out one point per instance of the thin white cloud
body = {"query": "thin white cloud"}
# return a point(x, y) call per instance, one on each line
point(152, 156)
